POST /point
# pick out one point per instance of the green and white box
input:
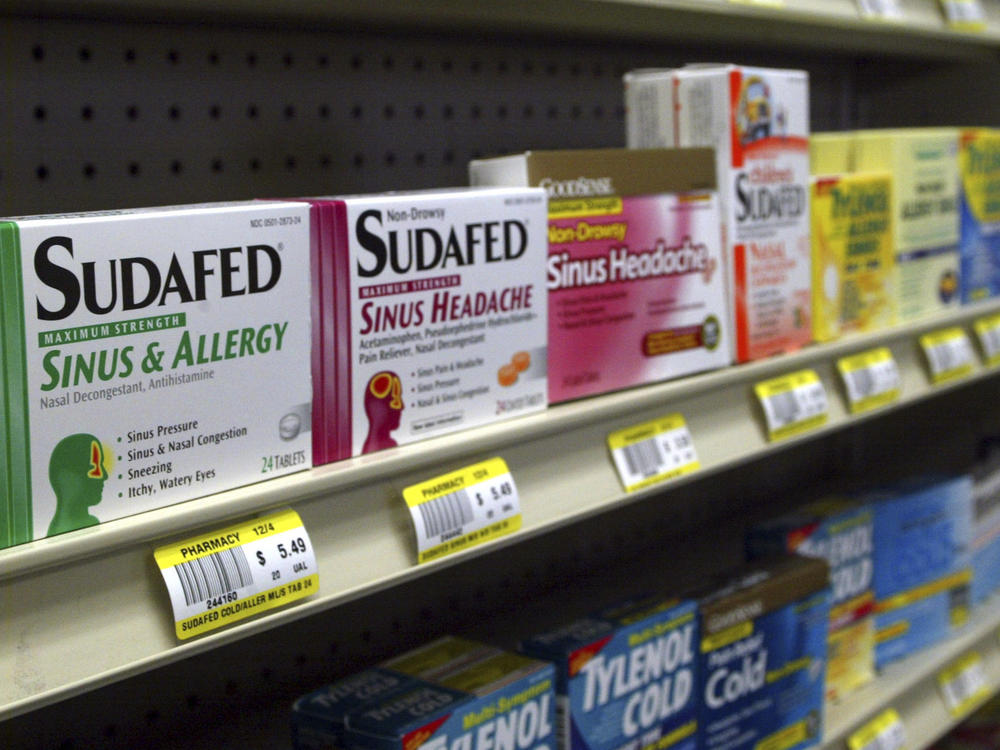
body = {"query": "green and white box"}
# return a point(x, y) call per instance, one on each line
point(149, 356)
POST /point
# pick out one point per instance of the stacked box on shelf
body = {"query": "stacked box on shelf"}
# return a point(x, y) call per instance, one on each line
point(431, 315)
point(839, 531)
point(763, 656)
point(922, 579)
point(757, 120)
point(132, 344)
point(986, 522)
point(979, 213)
point(635, 271)
point(923, 163)
point(626, 676)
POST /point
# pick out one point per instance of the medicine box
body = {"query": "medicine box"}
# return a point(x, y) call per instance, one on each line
point(149, 356)
point(319, 717)
point(626, 676)
point(431, 315)
point(504, 701)
point(979, 213)
point(763, 656)
point(924, 166)
point(986, 523)
point(840, 532)
point(923, 530)
point(854, 257)
point(635, 274)
point(757, 120)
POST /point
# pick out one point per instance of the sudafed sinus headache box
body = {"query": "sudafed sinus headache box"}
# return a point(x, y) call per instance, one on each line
point(757, 120)
point(134, 344)
point(626, 676)
point(636, 283)
point(763, 656)
point(431, 315)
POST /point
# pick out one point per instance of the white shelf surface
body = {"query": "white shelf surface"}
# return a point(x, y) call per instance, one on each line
point(910, 686)
point(89, 607)
point(835, 25)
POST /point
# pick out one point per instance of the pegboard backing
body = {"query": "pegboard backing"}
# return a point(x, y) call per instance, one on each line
point(99, 114)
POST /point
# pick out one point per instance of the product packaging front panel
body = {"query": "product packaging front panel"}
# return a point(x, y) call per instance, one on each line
point(443, 323)
point(757, 120)
point(155, 356)
point(854, 259)
point(636, 278)
point(626, 676)
point(924, 167)
point(979, 214)
point(922, 579)
point(840, 532)
point(763, 657)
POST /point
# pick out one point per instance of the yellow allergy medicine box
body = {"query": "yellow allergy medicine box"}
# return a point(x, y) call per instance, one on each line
point(853, 262)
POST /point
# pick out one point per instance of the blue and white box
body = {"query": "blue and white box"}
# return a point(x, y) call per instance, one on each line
point(763, 656)
point(626, 676)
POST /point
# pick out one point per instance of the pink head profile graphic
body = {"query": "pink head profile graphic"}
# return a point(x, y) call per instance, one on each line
point(384, 409)
point(77, 474)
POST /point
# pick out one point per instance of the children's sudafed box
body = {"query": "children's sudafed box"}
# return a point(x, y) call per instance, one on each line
point(854, 259)
point(841, 532)
point(979, 213)
point(763, 656)
point(431, 315)
point(626, 676)
point(757, 120)
point(150, 356)
point(635, 280)
point(922, 579)
point(924, 167)
point(503, 702)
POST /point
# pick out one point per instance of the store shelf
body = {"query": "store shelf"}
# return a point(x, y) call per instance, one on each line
point(87, 608)
point(834, 25)
point(910, 686)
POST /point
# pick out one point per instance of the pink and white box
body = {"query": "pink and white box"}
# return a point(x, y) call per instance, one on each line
point(635, 272)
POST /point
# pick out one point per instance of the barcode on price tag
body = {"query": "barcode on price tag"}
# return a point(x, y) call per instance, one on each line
point(467, 507)
point(886, 10)
point(966, 15)
point(949, 354)
point(793, 404)
point(988, 331)
point(884, 732)
point(963, 684)
point(653, 452)
point(225, 576)
point(871, 379)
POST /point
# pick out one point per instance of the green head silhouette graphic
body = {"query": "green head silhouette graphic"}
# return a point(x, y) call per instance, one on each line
point(77, 474)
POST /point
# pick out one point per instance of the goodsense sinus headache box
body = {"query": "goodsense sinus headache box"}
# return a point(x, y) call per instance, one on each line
point(626, 676)
point(763, 656)
point(636, 283)
point(839, 531)
point(430, 315)
point(149, 356)
point(757, 120)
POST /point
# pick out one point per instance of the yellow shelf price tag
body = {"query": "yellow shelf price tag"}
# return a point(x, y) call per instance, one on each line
point(793, 404)
point(222, 577)
point(871, 379)
point(464, 508)
point(880, 10)
point(884, 732)
point(964, 15)
point(988, 331)
point(964, 685)
point(949, 354)
point(652, 452)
